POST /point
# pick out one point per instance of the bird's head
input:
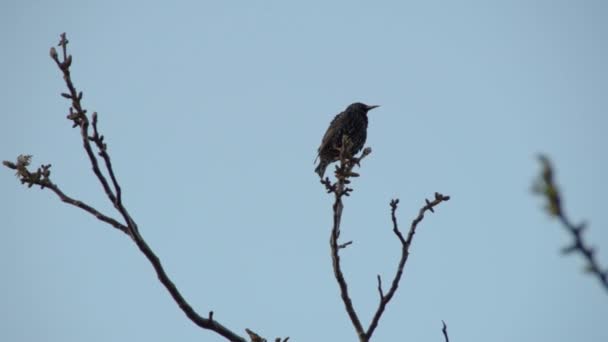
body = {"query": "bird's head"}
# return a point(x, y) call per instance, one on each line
point(360, 107)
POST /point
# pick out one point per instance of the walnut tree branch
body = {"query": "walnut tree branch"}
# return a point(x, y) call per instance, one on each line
point(42, 178)
point(546, 187)
point(78, 115)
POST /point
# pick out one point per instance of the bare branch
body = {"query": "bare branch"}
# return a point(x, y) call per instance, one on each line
point(546, 187)
point(344, 245)
point(44, 181)
point(445, 332)
point(79, 117)
point(405, 246)
point(380, 292)
point(103, 152)
point(254, 337)
point(339, 189)
point(348, 304)
point(257, 338)
point(42, 178)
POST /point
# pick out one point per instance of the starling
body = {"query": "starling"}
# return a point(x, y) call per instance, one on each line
point(352, 122)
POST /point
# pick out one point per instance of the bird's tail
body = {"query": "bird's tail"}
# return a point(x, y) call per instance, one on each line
point(320, 170)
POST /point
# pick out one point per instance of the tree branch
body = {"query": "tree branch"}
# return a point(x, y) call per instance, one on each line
point(405, 246)
point(78, 115)
point(42, 178)
point(444, 330)
point(339, 189)
point(546, 187)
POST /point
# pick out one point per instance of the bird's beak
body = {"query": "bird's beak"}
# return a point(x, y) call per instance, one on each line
point(372, 107)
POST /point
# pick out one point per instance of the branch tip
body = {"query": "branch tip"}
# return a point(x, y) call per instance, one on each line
point(346, 244)
point(445, 331)
point(380, 287)
point(546, 187)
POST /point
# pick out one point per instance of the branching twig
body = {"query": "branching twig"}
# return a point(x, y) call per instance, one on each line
point(32, 178)
point(114, 193)
point(546, 186)
point(405, 246)
point(339, 189)
point(79, 117)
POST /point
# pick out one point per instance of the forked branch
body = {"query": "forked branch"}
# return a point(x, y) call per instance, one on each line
point(339, 189)
point(41, 177)
point(405, 247)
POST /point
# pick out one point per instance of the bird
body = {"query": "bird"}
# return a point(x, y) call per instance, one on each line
point(352, 122)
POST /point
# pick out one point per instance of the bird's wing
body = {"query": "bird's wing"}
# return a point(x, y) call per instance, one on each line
point(331, 132)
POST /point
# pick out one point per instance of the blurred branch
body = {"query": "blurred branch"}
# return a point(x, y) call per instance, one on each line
point(444, 330)
point(339, 189)
point(546, 187)
point(78, 115)
point(257, 338)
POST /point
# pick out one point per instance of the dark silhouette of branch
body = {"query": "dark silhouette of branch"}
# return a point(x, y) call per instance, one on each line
point(444, 330)
point(42, 178)
point(546, 187)
point(79, 117)
point(339, 189)
point(405, 246)
point(344, 245)
point(113, 191)
point(257, 338)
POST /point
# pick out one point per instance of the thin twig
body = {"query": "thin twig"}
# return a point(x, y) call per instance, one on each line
point(79, 116)
point(104, 218)
point(546, 186)
point(380, 292)
point(405, 246)
point(44, 181)
point(344, 245)
point(103, 152)
point(339, 188)
point(445, 332)
point(348, 304)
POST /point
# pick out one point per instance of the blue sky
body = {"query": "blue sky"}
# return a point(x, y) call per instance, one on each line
point(213, 112)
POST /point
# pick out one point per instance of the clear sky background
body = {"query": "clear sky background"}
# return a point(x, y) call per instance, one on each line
point(213, 112)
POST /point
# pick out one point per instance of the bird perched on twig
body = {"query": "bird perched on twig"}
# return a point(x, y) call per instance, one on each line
point(352, 122)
